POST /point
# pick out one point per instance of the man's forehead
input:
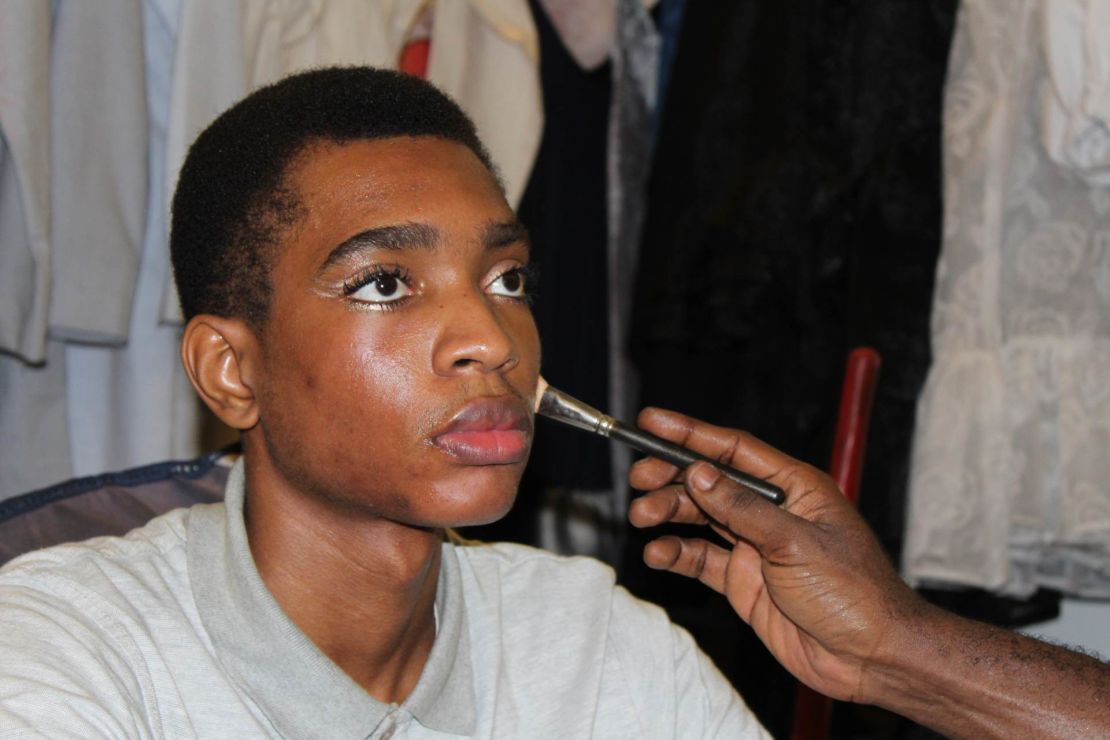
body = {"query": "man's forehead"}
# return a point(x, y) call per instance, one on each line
point(380, 193)
point(370, 168)
point(493, 235)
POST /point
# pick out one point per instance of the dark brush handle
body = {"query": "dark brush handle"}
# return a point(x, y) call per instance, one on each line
point(650, 444)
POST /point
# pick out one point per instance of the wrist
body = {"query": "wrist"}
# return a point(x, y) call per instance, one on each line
point(947, 673)
point(911, 660)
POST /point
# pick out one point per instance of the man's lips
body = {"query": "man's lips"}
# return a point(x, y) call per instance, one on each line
point(487, 431)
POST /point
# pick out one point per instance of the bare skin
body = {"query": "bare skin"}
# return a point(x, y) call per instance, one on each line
point(397, 305)
point(814, 584)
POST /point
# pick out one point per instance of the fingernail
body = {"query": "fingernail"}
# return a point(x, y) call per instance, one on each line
point(704, 477)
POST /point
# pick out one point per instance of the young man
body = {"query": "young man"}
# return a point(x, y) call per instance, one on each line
point(356, 291)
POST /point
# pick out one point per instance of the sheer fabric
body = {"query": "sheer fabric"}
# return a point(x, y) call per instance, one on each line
point(1010, 487)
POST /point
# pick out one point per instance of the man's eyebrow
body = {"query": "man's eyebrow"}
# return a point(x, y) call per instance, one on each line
point(393, 237)
point(505, 233)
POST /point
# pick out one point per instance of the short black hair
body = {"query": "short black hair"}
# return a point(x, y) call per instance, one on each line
point(233, 202)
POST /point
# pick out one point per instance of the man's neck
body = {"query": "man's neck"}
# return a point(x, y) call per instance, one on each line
point(362, 589)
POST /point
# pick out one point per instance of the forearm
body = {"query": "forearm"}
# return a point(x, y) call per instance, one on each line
point(967, 679)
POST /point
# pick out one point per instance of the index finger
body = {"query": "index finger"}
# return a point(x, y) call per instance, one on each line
point(730, 446)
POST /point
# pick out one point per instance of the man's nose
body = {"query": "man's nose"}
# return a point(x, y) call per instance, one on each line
point(474, 338)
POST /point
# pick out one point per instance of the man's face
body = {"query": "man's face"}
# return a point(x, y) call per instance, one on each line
point(400, 357)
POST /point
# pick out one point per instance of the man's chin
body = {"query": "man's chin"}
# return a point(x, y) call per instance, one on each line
point(474, 505)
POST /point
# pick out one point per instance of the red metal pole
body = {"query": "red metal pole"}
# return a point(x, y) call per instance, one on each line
point(813, 711)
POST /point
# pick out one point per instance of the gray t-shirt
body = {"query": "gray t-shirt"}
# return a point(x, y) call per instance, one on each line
point(170, 632)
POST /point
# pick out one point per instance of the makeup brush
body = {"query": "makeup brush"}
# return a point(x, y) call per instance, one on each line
point(554, 404)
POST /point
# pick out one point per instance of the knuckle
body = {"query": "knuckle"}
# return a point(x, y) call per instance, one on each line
point(808, 479)
point(672, 502)
point(696, 557)
point(820, 477)
point(796, 550)
point(729, 453)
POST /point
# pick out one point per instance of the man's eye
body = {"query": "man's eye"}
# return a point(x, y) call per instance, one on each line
point(511, 284)
point(384, 286)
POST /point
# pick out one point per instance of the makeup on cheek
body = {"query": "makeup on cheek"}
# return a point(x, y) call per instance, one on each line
point(554, 404)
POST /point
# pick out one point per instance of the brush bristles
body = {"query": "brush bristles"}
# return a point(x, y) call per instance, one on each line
point(541, 388)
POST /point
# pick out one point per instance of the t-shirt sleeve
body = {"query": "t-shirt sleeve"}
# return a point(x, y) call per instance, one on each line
point(61, 676)
point(677, 690)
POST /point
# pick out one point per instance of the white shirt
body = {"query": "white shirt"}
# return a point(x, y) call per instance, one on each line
point(170, 632)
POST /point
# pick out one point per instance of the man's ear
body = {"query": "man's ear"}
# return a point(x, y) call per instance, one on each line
point(221, 357)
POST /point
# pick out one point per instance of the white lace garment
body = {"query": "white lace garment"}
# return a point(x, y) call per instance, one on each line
point(1010, 484)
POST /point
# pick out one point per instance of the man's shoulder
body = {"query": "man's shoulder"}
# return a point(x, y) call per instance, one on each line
point(103, 633)
point(151, 557)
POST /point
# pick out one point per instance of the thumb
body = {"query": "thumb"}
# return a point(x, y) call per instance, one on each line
point(740, 511)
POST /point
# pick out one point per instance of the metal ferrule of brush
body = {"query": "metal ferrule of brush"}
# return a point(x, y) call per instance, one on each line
point(555, 404)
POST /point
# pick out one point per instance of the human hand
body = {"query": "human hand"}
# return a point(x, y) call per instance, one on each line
point(810, 577)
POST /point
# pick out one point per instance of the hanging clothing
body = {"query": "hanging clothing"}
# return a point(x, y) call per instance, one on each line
point(96, 187)
point(24, 181)
point(134, 404)
point(98, 167)
point(1075, 105)
point(1008, 489)
point(793, 213)
point(35, 451)
point(635, 66)
point(118, 397)
point(586, 28)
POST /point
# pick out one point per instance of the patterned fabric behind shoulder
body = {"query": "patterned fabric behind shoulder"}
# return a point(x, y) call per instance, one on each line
point(108, 504)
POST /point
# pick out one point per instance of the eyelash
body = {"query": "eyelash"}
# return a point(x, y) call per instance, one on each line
point(529, 273)
point(373, 273)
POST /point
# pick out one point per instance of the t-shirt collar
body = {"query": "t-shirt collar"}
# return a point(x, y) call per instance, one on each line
point(300, 690)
